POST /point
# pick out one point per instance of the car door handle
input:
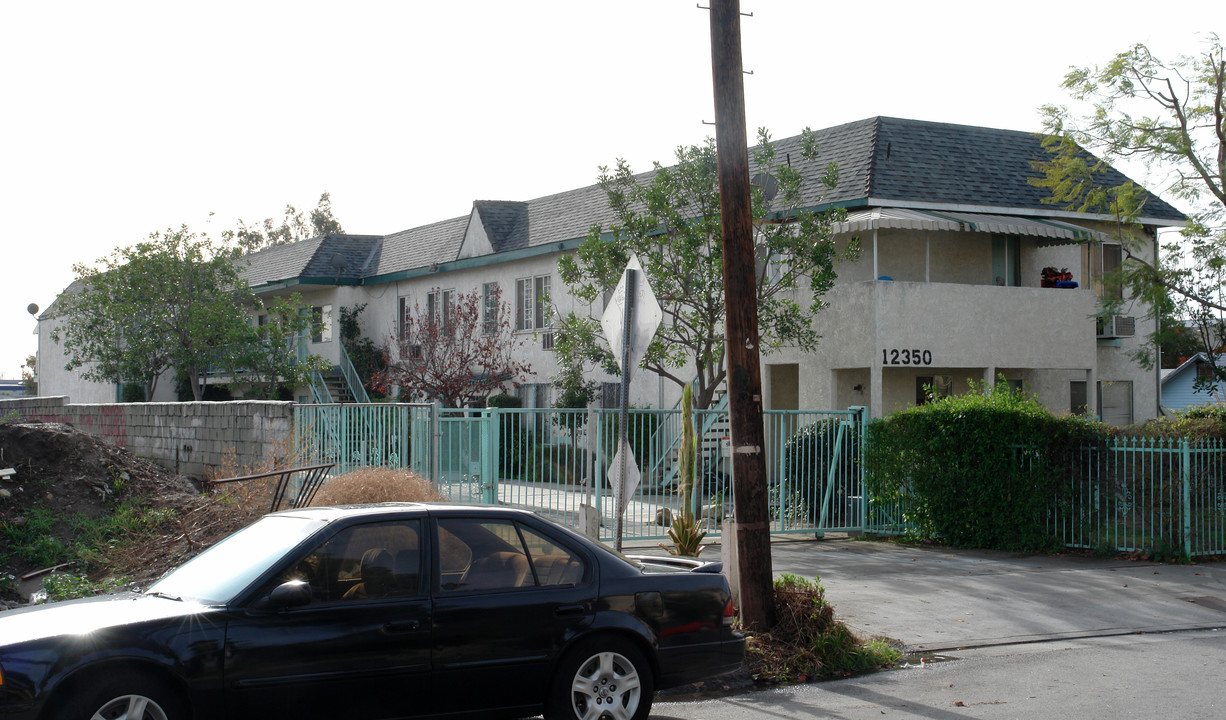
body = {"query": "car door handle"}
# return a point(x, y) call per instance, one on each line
point(402, 627)
point(569, 610)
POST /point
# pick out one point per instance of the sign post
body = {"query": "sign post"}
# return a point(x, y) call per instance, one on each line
point(629, 322)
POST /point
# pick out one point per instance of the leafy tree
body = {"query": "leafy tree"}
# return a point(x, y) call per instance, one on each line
point(173, 300)
point(454, 353)
point(670, 219)
point(267, 356)
point(1180, 338)
point(294, 226)
point(1172, 117)
point(29, 377)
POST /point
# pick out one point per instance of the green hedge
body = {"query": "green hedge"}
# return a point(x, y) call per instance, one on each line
point(977, 470)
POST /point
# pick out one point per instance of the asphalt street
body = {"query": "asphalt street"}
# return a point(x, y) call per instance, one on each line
point(1005, 635)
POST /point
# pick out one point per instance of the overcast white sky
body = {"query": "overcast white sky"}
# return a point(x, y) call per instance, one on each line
point(121, 118)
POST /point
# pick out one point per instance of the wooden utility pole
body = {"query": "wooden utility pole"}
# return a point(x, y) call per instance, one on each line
point(741, 320)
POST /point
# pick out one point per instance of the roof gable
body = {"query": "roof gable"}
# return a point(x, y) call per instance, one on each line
point(495, 226)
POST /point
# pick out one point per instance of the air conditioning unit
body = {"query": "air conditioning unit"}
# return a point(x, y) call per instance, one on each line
point(1117, 326)
point(547, 340)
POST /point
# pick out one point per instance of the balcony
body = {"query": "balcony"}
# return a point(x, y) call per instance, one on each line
point(958, 325)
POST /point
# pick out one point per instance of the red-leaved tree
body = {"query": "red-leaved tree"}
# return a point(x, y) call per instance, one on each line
point(459, 349)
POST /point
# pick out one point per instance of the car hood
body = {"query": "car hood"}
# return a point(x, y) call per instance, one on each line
point(79, 617)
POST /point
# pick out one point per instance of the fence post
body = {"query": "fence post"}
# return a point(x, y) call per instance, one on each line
point(436, 441)
point(490, 457)
point(861, 428)
point(1185, 471)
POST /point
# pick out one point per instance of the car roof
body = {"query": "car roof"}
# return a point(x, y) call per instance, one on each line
point(339, 512)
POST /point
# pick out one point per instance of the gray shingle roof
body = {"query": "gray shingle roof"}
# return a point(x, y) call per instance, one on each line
point(506, 223)
point(915, 161)
point(339, 257)
point(349, 257)
point(944, 163)
point(280, 262)
point(419, 247)
point(882, 159)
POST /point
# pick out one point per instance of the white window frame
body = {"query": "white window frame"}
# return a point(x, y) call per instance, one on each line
point(489, 308)
point(1113, 413)
point(531, 310)
point(403, 313)
point(1098, 261)
point(440, 305)
point(323, 314)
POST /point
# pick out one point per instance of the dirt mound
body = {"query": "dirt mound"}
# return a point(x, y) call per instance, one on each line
point(77, 499)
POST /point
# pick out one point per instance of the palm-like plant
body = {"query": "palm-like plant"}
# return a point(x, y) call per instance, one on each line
point(685, 532)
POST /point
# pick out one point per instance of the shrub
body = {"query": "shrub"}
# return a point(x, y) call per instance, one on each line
point(132, 393)
point(807, 641)
point(977, 470)
point(559, 464)
point(376, 485)
point(1199, 422)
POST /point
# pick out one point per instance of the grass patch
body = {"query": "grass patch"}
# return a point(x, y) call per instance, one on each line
point(33, 541)
point(807, 643)
point(41, 541)
point(70, 587)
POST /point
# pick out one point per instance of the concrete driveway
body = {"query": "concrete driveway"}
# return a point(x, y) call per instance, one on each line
point(1019, 636)
point(934, 599)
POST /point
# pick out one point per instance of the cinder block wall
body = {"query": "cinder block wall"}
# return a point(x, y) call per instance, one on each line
point(188, 438)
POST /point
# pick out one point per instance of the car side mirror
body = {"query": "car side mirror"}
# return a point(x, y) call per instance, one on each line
point(294, 593)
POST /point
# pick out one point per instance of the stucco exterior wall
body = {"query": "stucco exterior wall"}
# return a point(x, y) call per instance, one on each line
point(379, 320)
point(188, 438)
point(52, 377)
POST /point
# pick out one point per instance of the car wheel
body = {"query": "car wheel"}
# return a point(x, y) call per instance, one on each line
point(605, 677)
point(130, 697)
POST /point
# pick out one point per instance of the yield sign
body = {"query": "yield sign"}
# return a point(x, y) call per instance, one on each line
point(645, 317)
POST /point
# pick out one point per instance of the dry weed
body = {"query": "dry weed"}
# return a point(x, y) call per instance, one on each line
point(252, 498)
point(375, 485)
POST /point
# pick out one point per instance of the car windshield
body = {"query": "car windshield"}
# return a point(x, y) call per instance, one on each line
point(215, 576)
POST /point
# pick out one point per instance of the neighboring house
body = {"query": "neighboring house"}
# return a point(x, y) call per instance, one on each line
point(954, 285)
point(1179, 391)
point(54, 379)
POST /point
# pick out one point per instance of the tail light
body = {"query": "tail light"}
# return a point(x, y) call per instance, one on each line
point(729, 612)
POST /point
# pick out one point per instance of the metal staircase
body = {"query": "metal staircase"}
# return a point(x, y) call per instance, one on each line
point(713, 426)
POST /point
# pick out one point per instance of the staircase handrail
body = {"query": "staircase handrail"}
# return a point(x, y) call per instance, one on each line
point(662, 457)
point(319, 389)
point(350, 373)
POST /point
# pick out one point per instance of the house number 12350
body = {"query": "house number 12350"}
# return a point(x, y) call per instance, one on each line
point(894, 356)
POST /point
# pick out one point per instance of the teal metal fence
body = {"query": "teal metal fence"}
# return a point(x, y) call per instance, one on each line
point(352, 436)
point(1126, 495)
point(1158, 495)
point(555, 461)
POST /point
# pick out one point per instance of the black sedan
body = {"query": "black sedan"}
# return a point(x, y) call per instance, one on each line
point(382, 611)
